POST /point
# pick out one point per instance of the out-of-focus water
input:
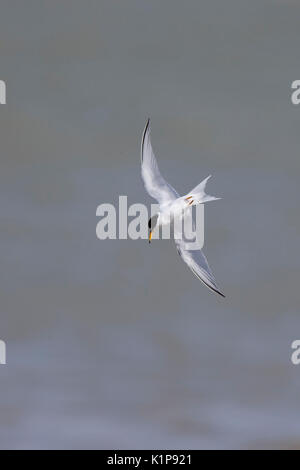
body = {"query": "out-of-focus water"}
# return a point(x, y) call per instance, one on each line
point(115, 344)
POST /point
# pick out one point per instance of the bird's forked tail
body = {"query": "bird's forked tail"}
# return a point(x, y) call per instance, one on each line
point(198, 196)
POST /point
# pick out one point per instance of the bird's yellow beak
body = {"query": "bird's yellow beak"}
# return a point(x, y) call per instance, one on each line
point(150, 235)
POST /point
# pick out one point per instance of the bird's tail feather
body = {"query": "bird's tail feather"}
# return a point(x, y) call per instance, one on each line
point(198, 196)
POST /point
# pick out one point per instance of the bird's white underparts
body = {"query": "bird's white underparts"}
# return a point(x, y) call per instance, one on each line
point(172, 206)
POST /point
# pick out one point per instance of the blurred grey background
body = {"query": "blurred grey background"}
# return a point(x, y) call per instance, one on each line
point(115, 344)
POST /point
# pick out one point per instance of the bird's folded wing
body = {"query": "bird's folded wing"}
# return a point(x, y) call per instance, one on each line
point(154, 183)
point(198, 264)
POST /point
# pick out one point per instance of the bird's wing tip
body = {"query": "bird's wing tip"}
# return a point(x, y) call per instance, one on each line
point(147, 129)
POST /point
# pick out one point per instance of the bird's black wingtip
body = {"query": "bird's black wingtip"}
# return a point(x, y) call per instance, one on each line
point(147, 125)
point(143, 137)
point(217, 291)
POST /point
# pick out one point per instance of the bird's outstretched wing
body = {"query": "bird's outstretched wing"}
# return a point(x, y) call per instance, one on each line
point(198, 264)
point(154, 183)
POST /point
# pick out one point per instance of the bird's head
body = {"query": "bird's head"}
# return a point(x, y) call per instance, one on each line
point(151, 225)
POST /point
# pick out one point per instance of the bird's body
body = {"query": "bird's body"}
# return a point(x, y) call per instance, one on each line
point(173, 206)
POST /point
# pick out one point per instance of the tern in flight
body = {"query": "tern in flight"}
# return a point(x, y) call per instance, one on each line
point(172, 205)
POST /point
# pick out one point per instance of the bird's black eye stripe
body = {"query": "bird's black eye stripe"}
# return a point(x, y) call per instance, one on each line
point(152, 222)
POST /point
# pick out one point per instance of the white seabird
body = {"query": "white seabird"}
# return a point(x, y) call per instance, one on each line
point(172, 205)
